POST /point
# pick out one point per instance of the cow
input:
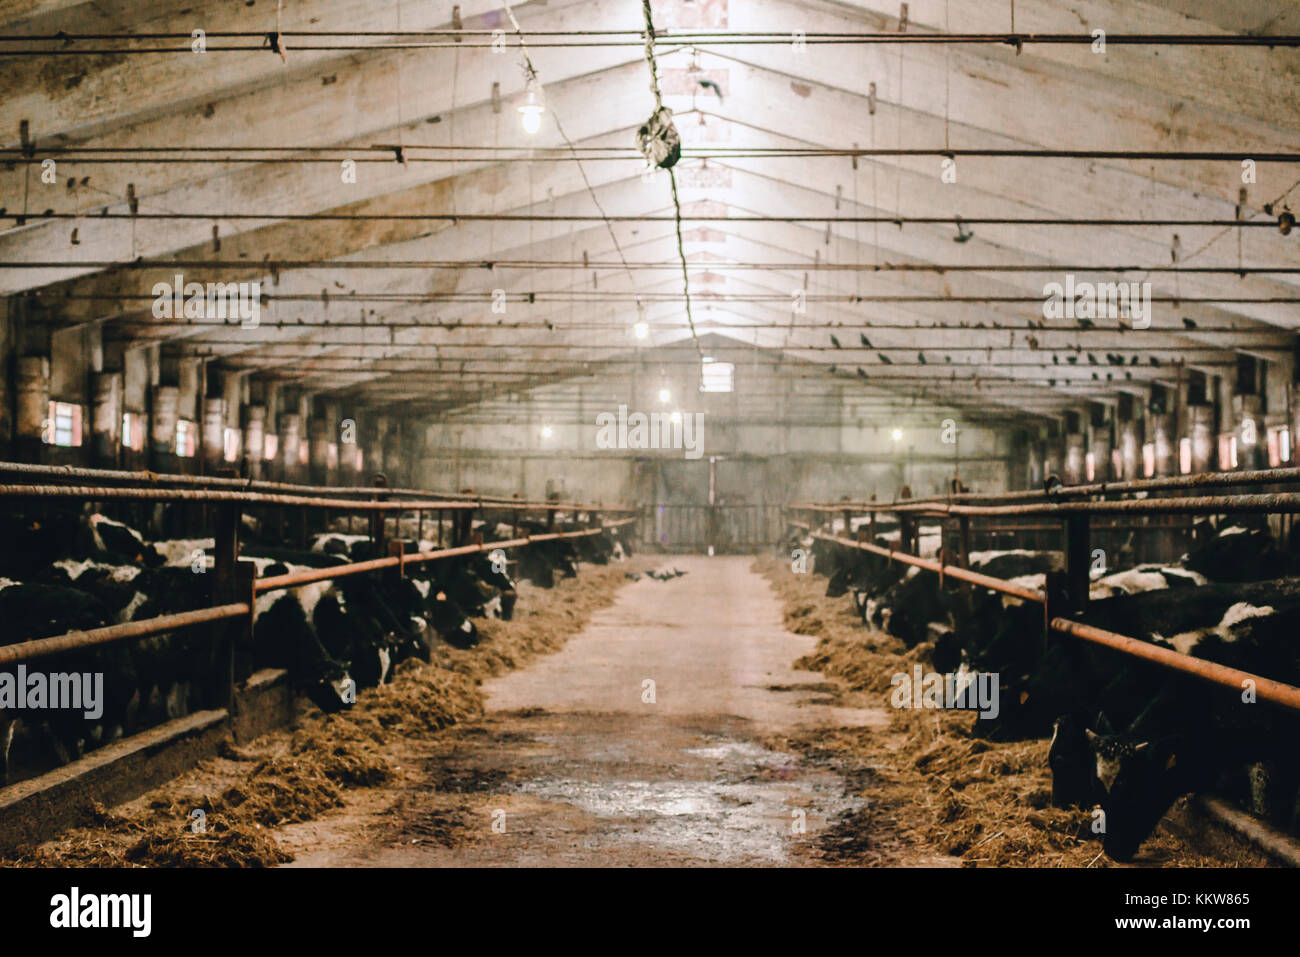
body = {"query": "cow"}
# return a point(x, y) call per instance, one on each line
point(1180, 734)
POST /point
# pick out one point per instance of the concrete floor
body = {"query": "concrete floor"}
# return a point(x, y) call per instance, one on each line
point(575, 765)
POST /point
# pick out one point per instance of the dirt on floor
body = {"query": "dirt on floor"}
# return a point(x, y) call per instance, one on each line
point(260, 804)
point(986, 803)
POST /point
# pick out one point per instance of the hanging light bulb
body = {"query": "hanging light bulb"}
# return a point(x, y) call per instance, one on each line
point(530, 114)
point(641, 330)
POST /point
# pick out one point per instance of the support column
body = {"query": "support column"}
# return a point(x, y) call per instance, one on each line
point(213, 436)
point(33, 408)
point(1162, 438)
point(318, 430)
point(1200, 429)
point(255, 439)
point(394, 467)
point(162, 428)
point(106, 419)
point(1054, 456)
point(1100, 449)
point(1074, 459)
point(1130, 451)
point(287, 455)
point(1248, 416)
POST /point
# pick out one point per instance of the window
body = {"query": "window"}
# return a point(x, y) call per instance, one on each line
point(132, 431)
point(1185, 456)
point(186, 431)
point(717, 376)
point(1149, 459)
point(230, 446)
point(1227, 452)
point(331, 455)
point(270, 446)
point(64, 425)
point(1279, 446)
point(302, 453)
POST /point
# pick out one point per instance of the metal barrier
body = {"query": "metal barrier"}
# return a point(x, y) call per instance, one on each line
point(1275, 692)
point(235, 585)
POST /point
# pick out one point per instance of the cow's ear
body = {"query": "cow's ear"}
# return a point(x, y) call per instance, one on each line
point(1091, 736)
point(1141, 747)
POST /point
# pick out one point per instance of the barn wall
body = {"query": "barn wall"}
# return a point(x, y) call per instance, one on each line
point(783, 434)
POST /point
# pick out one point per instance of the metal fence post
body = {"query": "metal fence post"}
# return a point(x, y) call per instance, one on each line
point(226, 590)
point(1078, 560)
point(378, 521)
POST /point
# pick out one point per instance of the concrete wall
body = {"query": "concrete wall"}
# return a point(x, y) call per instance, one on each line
point(786, 432)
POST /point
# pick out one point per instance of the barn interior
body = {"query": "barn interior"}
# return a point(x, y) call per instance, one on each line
point(794, 366)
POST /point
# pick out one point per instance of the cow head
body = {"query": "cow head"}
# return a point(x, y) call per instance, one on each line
point(1138, 780)
point(1074, 778)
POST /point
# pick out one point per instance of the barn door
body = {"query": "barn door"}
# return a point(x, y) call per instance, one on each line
point(709, 503)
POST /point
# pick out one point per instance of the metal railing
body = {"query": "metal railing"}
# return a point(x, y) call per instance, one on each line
point(1057, 601)
point(235, 585)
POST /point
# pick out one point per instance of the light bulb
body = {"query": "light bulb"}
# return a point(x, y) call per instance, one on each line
point(675, 417)
point(546, 431)
point(641, 330)
point(898, 434)
point(664, 395)
point(530, 114)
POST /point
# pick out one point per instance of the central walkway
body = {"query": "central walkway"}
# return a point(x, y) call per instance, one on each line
point(642, 742)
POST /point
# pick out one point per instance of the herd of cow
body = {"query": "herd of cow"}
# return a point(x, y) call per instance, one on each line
point(67, 570)
point(1128, 737)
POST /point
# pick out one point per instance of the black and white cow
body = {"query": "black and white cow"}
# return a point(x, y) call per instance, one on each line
point(1178, 734)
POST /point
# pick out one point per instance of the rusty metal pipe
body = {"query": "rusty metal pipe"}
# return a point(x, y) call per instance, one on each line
point(1267, 689)
point(296, 579)
point(156, 479)
point(949, 571)
point(1199, 505)
point(73, 640)
point(41, 647)
point(1201, 480)
point(89, 493)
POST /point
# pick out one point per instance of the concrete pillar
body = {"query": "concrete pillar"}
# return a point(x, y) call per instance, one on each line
point(1074, 459)
point(106, 419)
point(394, 464)
point(349, 441)
point(162, 428)
point(1200, 429)
point(255, 438)
point(290, 436)
point(32, 390)
point(375, 452)
point(1162, 437)
point(1034, 463)
point(1100, 448)
point(213, 436)
point(1130, 453)
point(1295, 426)
point(318, 431)
point(1248, 417)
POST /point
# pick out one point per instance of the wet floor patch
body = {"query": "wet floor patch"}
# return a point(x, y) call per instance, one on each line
point(616, 788)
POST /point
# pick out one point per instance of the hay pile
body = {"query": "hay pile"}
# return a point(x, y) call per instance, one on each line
point(943, 787)
point(293, 776)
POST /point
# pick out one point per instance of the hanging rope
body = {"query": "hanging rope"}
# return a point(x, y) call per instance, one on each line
point(662, 146)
